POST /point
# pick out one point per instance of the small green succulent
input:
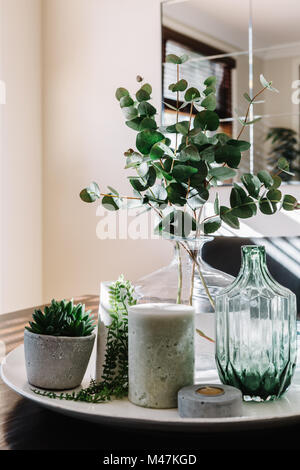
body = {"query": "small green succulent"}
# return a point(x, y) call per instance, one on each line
point(62, 319)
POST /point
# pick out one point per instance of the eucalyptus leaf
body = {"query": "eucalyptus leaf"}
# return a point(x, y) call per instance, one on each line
point(207, 120)
point(142, 95)
point(141, 184)
point(146, 109)
point(134, 123)
point(147, 87)
point(242, 145)
point(210, 102)
point(176, 194)
point(189, 153)
point(235, 198)
point(217, 204)
point(110, 203)
point(222, 138)
point(198, 179)
point(252, 184)
point(159, 193)
point(142, 169)
point(212, 225)
point(222, 173)
point(133, 160)
point(85, 196)
point(209, 90)
point(228, 154)
point(247, 97)
point(276, 181)
point(147, 123)
point(121, 92)
point(183, 127)
point(274, 195)
point(265, 178)
point(210, 81)
point(246, 209)
point(183, 172)
point(160, 149)
point(130, 112)
point(181, 85)
point(208, 154)
point(146, 139)
point(184, 58)
point(173, 59)
point(228, 217)
point(91, 193)
point(197, 197)
point(191, 94)
point(267, 84)
point(248, 123)
point(126, 101)
point(284, 166)
point(267, 207)
point(289, 202)
point(198, 137)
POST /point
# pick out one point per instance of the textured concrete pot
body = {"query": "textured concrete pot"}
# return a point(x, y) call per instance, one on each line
point(56, 362)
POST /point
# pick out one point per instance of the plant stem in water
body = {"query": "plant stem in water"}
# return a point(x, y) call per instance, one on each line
point(192, 283)
point(179, 288)
point(200, 275)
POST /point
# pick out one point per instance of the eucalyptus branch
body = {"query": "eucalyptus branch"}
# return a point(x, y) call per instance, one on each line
point(248, 110)
point(120, 197)
point(177, 118)
point(180, 177)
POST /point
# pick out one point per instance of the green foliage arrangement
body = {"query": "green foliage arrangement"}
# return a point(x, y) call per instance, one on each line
point(114, 382)
point(62, 319)
point(284, 145)
point(176, 181)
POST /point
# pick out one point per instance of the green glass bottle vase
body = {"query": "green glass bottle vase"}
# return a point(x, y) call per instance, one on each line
point(256, 333)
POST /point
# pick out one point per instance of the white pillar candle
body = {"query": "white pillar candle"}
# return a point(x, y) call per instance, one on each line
point(161, 353)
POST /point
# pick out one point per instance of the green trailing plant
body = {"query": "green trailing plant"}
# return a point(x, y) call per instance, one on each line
point(175, 181)
point(284, 144)
point(62, 319)
point(114, 383)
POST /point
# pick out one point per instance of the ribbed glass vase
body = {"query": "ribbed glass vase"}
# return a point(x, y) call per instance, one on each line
point(256, 334)
point(189, 280)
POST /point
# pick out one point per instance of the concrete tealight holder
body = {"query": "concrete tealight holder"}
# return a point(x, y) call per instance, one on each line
point(209, 401)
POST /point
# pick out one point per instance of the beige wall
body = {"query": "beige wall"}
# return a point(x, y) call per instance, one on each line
point(21, 184)
point(90, 48)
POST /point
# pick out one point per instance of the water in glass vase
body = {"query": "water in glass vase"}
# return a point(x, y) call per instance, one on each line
point(189, 280)
point(256, 333)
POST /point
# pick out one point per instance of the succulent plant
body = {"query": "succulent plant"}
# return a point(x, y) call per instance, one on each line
point(62, 319)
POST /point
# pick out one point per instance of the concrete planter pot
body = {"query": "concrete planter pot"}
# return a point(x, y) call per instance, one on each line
point(56, 362)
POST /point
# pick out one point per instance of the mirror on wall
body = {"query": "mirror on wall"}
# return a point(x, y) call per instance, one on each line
point(235, 43)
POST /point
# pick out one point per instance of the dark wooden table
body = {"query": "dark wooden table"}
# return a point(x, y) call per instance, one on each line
point(27, 426)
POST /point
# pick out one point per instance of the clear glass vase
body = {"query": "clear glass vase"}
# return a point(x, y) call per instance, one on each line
point(189, 280)
point(256, 332)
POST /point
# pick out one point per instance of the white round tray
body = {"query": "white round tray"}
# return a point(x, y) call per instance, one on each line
point(123, 413)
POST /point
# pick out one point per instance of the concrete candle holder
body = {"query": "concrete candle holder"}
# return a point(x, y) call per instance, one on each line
point(209, 401)
point(161, 353)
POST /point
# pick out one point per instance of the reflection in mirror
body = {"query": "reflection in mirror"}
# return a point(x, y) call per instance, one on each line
point(217, 43)
point(276, 48)
point(221, 43)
